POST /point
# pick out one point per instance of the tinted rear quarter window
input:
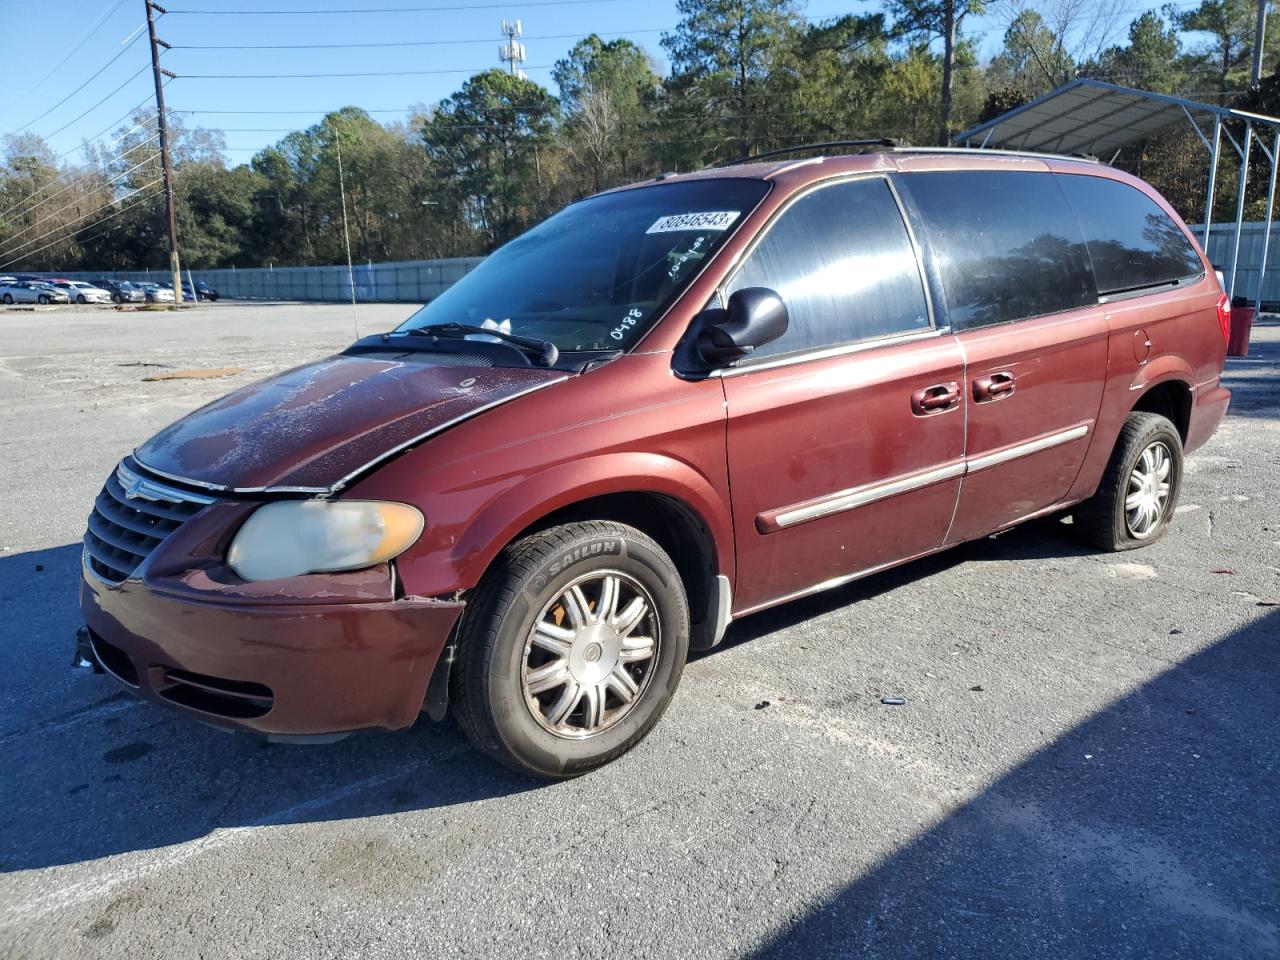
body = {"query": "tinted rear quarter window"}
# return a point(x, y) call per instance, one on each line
point(843, 262)
point(1007, 244)
point(1132, 242)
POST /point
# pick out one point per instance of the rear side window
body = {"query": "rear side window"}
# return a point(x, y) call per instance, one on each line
point(843, 262)
point(1007, 245)
point(1131, 241)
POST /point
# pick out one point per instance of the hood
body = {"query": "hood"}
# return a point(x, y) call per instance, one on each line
point(314, 427)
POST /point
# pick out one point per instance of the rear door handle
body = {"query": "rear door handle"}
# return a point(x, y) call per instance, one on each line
point(935, 399)
point(993, 387)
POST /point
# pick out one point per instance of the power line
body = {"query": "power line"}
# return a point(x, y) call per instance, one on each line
point(107, 129)
point(398, 43)
point(465, 6)
point(39, 203)
point(321, 76)
point(89, 226)
point(84, 38)
point(32, 253)
point(28, 229)
point(145, 67)
point(95, 76)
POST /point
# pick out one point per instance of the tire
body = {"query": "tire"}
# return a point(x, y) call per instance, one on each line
point(116, 298)
point(546, 732)
point(81, 299)
point(1115, 517)
point(8, 299)
point(42, 299)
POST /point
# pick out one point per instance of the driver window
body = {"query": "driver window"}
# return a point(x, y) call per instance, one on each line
point(842, 260)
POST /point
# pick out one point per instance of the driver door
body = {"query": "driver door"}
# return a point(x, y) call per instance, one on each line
point(846, 436)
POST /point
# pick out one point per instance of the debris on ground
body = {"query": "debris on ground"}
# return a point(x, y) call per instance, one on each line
point(893, 701)
point(762, 704)
point(201, 373)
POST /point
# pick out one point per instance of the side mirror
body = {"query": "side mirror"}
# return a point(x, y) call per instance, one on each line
point(755, 316)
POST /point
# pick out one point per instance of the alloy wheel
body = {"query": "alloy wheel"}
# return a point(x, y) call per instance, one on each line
point(590, 654)
point(1147, 494)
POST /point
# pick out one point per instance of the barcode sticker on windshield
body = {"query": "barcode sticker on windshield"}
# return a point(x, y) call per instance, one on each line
point(712, 220)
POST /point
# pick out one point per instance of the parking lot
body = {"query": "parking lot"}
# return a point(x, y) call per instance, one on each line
point(1086, 763)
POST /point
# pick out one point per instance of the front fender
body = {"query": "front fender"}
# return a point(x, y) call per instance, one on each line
point(515, 506)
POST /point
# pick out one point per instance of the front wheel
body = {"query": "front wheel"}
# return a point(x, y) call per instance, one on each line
point(572, 647)
point(8, 299)
point(81, 299)
point(1139, 491)
point(42, 298)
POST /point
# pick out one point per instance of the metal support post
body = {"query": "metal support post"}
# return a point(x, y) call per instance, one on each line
point(1241, 184)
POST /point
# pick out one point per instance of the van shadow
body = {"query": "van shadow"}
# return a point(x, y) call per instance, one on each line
point(1147, 830)
point(90, 771)
point(1041, 539)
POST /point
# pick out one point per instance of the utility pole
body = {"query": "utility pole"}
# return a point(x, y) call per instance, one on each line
point(166, 166)
point(346, 234)
point(1257, 43)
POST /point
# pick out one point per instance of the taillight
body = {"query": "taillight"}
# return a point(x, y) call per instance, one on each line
point(1224, 316)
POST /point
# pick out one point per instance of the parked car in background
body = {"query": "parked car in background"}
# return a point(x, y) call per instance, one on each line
point(81, 292)
point(121, 291)
point(156, 293)
point(32, 291)
point(665, 407)
point(186, 290)
point(203, 291)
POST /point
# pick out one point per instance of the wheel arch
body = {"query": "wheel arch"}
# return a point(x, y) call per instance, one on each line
point(681, 521)
point(1171, 398)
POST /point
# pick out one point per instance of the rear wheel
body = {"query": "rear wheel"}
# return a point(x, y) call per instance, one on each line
point(81, 299)
point(42, 298)
point(571, 649)
point(8, 299)
point(116, 298)
point(1139, 492)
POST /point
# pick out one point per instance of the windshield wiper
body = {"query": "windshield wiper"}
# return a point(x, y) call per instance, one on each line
point(544, 351)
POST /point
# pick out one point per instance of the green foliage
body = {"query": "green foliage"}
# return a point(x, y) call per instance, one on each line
point(1151, 61)
point(488, 145)
point(502, 152)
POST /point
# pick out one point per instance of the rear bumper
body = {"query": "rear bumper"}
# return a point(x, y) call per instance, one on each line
point(1207, 410)
point(275, 668)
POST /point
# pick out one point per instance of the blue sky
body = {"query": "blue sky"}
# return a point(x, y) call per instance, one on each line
point(32, 80)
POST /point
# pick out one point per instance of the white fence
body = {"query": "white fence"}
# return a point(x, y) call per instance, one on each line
point(410, 281)
point(1222, 238)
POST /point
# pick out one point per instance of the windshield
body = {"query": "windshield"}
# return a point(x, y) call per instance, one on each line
point(599, 273)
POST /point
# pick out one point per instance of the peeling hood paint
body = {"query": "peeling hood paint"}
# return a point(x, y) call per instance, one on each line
point(315, 426)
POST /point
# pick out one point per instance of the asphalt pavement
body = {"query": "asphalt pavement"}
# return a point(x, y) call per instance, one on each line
point(1087, 762)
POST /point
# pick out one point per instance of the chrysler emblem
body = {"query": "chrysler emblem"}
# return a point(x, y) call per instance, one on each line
point(134, 490)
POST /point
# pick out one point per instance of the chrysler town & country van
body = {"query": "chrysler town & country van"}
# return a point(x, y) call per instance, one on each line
point(665, 407)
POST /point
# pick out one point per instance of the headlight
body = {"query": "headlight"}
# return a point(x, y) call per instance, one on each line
point(294, 537)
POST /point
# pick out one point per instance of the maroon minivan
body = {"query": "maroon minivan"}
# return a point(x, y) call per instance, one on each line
point(663, 408)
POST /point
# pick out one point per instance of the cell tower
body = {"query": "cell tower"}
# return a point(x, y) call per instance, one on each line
point(512, 52)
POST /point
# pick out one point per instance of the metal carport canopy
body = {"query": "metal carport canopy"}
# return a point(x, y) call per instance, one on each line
point(1092, 118)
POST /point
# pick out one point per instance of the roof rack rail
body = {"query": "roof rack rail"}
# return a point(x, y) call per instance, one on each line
point(831, 144)
point(1090, 158)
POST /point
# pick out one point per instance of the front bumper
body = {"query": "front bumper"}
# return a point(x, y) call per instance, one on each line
point(282, 668)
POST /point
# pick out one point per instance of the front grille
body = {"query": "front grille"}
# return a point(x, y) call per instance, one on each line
point(130, 518)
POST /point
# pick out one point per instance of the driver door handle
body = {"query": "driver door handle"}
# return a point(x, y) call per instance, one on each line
point(993, 387)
